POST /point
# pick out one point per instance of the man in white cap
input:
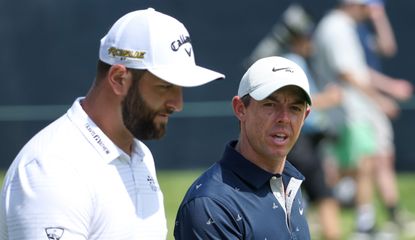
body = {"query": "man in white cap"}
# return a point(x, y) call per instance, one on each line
point(253, 192)
point(87, 175)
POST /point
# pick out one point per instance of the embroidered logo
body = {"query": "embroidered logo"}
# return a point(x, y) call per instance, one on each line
point(301, 210)
point(239, 218)
point(210, 221)
point(54, 233)
point(189, 52)
point(198, 186)
point(124, 54)
point(175, 45)
point(152, 183)
point(287, 69)
point(274, 205)
point(97, 138)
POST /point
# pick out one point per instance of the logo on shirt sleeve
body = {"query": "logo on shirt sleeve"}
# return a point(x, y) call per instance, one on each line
point(54, 233)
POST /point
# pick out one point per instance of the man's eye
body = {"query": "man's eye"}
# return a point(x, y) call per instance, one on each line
point(296, 108)
point(269, 104)
point(165, 86)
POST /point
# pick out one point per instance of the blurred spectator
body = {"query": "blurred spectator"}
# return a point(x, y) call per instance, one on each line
point(378, 40)
point(339, 57)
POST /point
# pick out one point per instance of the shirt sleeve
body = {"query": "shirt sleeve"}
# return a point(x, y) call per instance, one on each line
point(205, 218)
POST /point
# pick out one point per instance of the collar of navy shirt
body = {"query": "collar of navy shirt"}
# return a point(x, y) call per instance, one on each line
point(251, 173)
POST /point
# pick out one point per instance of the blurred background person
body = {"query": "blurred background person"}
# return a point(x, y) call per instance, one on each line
point(378, 40)
point(339, 57)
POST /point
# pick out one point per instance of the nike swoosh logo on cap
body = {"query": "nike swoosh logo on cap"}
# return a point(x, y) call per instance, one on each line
point(274, 69)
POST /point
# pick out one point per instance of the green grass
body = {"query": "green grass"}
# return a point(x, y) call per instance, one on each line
point(174, 185)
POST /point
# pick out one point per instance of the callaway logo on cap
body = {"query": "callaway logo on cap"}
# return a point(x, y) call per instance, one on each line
point(147, 39)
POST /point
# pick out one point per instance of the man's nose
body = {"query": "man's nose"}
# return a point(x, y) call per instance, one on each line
point(282, 115)
point(175, 102)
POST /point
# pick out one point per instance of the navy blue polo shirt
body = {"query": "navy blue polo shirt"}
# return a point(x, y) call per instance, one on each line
point(233, 200)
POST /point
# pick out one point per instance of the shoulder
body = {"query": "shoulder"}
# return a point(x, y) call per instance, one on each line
point(44, 168)
point(209, 184)
point(47, 142)
point(210, 191)
point(335, 22)
point(207, 212)
point(49, 158)
point(58, 147)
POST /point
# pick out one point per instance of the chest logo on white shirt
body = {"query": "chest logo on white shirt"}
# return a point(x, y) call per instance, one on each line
point(54, 233)
point(152, 183)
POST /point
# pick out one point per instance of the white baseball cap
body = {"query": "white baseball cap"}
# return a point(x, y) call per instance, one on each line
point(269, 74)
point(148, 39)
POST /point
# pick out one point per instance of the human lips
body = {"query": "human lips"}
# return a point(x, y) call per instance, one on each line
point(163, 116)
point(279, 137)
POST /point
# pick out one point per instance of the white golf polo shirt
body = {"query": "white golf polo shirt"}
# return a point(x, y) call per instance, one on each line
point(71, 182)
point(338, 50)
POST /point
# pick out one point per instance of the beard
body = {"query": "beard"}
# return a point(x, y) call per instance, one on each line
point(139, 117)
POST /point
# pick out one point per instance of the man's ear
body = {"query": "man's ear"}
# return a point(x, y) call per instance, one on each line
point(118, 78)
point(307, 112)
point(238, 108)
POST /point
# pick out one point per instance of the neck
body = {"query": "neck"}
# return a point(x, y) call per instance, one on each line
point(272, 165)
point(109, 120)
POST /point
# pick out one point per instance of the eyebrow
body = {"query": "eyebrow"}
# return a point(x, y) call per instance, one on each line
point(297, 101)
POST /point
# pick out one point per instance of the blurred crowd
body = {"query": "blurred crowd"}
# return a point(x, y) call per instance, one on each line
point(346, 149)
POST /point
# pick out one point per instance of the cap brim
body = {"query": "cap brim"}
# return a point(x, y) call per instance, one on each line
point(186, 76)
point(264, 91)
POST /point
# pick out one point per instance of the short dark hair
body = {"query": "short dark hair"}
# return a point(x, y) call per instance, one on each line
point(103, 68)
point(137, 73)
point(246, 100)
